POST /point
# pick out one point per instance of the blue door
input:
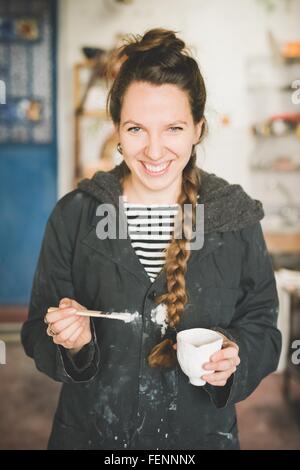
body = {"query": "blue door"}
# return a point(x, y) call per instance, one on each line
point(28, 143)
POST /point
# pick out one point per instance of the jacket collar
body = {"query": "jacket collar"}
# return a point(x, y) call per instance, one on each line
point(227, 207)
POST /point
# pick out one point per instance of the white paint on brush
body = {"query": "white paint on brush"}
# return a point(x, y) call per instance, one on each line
point(124, 316)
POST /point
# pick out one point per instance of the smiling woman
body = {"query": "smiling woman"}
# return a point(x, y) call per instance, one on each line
point(123, 387)
point(156, 146)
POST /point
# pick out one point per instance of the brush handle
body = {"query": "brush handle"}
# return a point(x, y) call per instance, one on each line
point(99, 314)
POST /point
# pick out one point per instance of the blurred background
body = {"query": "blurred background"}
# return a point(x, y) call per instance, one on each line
point(54, 132)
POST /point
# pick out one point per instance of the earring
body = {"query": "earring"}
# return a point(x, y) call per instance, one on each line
point(119, 148)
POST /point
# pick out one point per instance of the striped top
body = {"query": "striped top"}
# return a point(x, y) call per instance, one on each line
point(150, 227)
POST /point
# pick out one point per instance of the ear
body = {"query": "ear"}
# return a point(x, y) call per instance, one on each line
point(198, 128)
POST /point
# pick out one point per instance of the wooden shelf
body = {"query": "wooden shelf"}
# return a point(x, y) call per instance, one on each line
point(79, 116)
point(280, 242)
point(273, 169)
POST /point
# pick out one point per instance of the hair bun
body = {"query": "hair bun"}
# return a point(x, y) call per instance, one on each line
point(153, 40)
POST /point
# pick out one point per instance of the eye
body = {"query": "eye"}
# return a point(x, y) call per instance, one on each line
point(131, 128)
point(176, 128)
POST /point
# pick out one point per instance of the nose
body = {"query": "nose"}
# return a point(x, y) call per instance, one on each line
point(155, 149)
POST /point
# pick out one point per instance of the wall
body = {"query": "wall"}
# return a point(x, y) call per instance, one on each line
point(222, 35)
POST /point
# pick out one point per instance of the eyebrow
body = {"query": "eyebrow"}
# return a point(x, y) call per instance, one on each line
point(141, 125)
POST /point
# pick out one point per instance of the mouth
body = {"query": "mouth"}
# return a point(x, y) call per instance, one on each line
point(156, 170)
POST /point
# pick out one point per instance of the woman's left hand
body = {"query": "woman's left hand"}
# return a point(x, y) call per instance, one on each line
point(223, 363)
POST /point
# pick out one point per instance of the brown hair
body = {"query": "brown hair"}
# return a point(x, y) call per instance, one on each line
point(160, 57)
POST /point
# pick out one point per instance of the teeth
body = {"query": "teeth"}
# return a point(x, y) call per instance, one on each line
point(156, 168)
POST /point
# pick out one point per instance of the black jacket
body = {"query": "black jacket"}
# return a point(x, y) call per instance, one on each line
point(111, 398)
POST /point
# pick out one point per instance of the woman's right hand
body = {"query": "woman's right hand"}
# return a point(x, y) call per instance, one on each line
point(69, 330)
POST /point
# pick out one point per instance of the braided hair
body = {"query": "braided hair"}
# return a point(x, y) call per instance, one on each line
point(160, 57)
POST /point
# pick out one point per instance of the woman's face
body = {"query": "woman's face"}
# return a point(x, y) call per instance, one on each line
point(156, 133)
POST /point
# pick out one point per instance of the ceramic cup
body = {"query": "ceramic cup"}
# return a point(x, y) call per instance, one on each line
point(194, 348)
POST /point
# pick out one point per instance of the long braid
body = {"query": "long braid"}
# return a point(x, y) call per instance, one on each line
point(177, 256)
point(159, 57)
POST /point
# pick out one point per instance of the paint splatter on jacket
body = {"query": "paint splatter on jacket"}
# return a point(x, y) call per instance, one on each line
point(111, 398)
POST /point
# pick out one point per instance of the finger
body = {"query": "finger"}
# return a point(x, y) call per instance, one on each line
point(66, 333)
point(227, 343)
point(49, 331)
point(65, 302)
point(221, 383)
point(71, 303)
point(52, 317)
point(78, 306)
point(237, 360)
point(218, 376)
point(72, 340)
point(69, 343)
point(216, 382)
point(52, 309)
point(226, 353)
point(58, 309)
point(175, 346)
point(60, 325)
point(221, 365)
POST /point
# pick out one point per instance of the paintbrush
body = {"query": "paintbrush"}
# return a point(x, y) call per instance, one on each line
point(124, 316)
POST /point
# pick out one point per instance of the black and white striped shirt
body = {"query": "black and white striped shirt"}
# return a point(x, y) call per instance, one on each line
point(150, 228)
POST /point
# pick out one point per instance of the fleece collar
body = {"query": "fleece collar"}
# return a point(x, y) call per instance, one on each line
point(226, 206)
